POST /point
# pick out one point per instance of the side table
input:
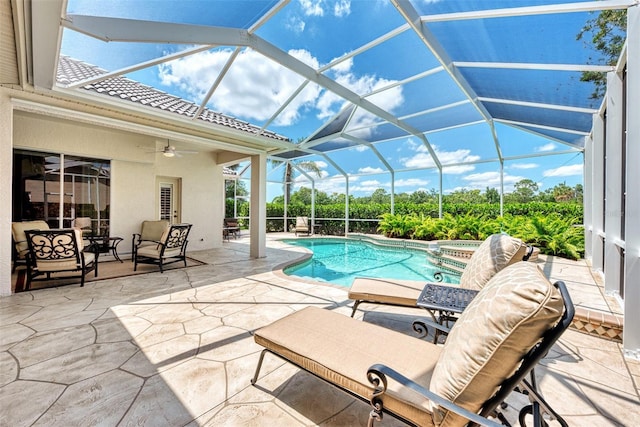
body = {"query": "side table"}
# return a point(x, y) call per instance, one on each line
point(106, 244)
point(446, 300)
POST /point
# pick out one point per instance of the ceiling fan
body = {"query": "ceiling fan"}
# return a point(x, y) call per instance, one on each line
point(170, 151)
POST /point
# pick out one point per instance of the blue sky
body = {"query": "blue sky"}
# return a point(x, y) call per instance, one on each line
point(318, 32)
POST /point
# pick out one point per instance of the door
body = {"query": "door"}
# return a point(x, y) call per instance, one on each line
point(169, 199)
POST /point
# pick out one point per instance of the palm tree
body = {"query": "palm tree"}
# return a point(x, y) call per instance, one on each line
point(289, 172)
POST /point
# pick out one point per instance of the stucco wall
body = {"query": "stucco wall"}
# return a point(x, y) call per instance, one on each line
point(133, 174)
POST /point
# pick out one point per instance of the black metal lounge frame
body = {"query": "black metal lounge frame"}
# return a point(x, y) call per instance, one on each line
point(379, 375)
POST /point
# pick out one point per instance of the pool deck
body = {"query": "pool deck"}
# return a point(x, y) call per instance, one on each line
point(176, 349)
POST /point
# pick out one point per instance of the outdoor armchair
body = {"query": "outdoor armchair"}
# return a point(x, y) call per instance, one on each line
point(150, 233)
point(505, 331)
point(58, 254)
point(231, 227)
point(171, 247)
point(302, 225)
point(495, 253)
point(20, 246)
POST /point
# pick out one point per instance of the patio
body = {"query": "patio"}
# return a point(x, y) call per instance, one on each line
point(177, 349)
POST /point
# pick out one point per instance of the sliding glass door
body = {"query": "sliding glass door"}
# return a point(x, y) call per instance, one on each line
point(58, 188)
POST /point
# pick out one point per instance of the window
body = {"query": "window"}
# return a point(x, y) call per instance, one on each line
point(57, 189)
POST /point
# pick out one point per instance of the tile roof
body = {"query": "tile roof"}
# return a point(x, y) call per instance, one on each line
point(71, 71)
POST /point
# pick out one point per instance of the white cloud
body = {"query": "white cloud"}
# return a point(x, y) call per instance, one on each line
point(295, 24)
point(547, 147)
point(335, 184)
point(321, 164)
point(524, 166)
point(422, 158)
point(312, 8)
point(491, 179)
point(369, 169)
point(342, 8)
point(253, 88)
point(411, 182)
point(570, 170)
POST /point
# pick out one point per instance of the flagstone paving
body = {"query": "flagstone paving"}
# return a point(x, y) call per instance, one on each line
point(177, 349)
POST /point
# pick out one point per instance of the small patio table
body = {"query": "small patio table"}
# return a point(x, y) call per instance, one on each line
point(105, 244)
point(446, 300)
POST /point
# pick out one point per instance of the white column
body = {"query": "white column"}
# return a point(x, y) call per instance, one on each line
point(346, 206)
point(597, 194)
point(613, 184)
point(6, 197)
point(258, 207)
point(587, 197)
point(631, 334)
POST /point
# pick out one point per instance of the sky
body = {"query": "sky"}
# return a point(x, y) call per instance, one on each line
point(320, 32)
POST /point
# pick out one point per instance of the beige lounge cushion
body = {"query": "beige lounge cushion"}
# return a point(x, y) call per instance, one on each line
point(494, 254)
point(341, 350)
point(396, 292)
point(500, 325)
point(20, 239)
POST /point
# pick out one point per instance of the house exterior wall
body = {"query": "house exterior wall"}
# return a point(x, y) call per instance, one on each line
point(134, 168)
point(133, 174)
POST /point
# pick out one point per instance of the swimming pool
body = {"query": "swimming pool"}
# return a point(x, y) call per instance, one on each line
point(339, 261)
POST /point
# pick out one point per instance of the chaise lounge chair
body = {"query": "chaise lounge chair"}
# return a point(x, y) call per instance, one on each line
point(495, 253)
point(497, 341)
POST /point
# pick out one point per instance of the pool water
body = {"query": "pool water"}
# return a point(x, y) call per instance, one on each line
point(339, 261)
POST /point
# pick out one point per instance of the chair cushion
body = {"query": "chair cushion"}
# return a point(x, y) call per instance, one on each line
point(149, 251)
point(494, 254)
point(340, 350)
point(20, 239)
point(153, 230)
point(485, 346)
point(397, 292)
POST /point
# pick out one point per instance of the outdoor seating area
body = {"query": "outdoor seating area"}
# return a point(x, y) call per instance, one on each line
point(308, 187)
point(487, 350)
point(50, 255)
point(142, 349)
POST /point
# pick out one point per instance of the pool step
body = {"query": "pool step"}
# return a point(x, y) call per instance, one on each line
point(449, 264)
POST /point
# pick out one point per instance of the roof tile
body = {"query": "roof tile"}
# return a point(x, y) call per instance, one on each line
point(72, 71)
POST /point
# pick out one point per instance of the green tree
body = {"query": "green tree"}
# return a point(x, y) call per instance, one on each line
point(464, 196)
point(380, 195)
point(524, 191)
point(421, 196)
point(608, 33)
point(491, 195)
point(563, 193)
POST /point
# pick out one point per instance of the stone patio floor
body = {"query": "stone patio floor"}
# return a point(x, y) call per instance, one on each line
point(176, 349)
